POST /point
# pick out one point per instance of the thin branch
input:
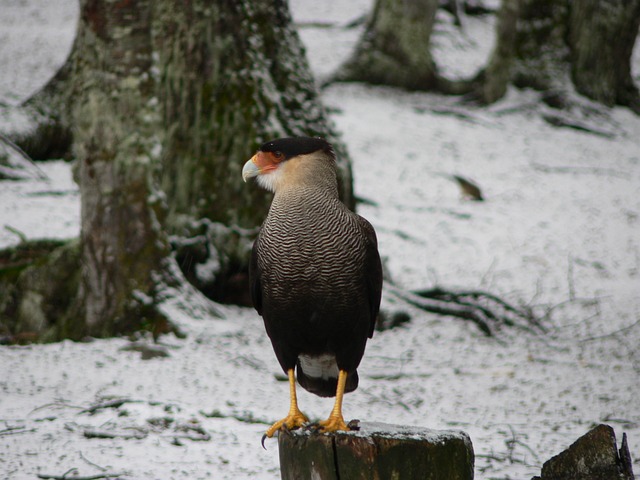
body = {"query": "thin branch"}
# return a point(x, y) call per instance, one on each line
point(115, 403)
point(21, 235)
point(23, 154)
point(102, 469)
point(90, 477)
point(484, 309)
point(137, 435)
point(15, 431)
point(612, 334)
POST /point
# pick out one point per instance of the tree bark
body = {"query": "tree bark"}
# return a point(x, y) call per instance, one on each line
point(540, 44)
point(602, 37)
point(394, 49)
point(231, 75)
point(173, 95)
point(497, 75)
point(376, 451)
point(116, 125)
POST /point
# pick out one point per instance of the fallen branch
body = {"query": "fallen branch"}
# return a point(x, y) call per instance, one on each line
point(25, 162)
point(90, 477)
point(486, 310)
point(115, 403)
point(15, 431)
point(245, 417)
point(137, 435)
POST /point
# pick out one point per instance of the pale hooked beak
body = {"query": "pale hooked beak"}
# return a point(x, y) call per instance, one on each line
point(250, 169)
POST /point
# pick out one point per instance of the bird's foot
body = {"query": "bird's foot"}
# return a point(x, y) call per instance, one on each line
point(292, 421)
point(334, 423)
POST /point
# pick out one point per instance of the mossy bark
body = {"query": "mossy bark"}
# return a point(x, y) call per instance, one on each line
point(540, 44)
point(38, 284)
point(497, 75)
point(231, 75)
point(395, 47)
point(602, 36)
point(166, 101)
point(116, 134)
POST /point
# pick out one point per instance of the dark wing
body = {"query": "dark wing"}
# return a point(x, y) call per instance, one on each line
point(373, 272)
point(254, 278)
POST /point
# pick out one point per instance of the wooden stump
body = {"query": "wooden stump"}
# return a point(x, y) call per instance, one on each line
point(376, 451)
point(594, 456)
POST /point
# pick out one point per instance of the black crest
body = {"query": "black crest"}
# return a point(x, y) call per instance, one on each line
point(293, 146)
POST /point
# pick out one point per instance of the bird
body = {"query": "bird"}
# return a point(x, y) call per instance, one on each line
point(315, 275)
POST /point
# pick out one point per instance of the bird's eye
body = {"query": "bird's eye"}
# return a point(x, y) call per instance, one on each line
point(278, 156)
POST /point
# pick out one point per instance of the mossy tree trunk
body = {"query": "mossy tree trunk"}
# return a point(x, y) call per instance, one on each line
point(231, 76)
point(394, 49)
point(540, 44)
point(492, 83)
point(116, 133)
point(602, 37)
point(166, 101)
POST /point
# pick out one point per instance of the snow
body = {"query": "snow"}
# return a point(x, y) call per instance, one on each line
point(559, 231)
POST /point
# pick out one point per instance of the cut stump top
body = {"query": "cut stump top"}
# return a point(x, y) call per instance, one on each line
point(376, 451)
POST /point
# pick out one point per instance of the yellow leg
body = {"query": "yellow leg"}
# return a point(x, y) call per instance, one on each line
point(295, 418)
point(335, 421)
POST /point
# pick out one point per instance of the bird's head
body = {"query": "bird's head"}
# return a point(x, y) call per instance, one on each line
point(292, 161)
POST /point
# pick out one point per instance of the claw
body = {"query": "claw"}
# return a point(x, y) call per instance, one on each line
point(333, 424)
point(295, 418)
point(336, 422)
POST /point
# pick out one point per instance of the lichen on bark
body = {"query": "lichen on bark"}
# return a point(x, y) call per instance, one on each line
point(166, 101)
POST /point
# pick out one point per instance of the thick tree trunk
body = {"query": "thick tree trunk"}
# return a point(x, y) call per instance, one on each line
point(116, 125)
point(540, 44)
point(394, 49)
point(541, 51)
point(497, 76)
point(231, 76)
point(602, 37)
point(181, 94)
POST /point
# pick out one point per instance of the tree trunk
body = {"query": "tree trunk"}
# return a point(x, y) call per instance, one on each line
point(540, 44)
point(179, 94)
point(231, 75)
point(497, 75)
point(116, 131)
point(394, 49)
point(541, 52)
point(602, 37)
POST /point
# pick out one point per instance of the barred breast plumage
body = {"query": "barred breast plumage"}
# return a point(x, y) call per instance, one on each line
point(316, 277)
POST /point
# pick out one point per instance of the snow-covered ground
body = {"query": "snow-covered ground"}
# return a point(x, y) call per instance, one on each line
point(559, 230)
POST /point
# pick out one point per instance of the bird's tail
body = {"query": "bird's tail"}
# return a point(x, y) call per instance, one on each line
point(325, 387)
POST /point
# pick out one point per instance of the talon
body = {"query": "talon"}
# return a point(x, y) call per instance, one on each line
point(264, 437)
point(295, 418)
point(334, 423)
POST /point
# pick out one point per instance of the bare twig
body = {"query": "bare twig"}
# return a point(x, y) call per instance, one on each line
point(611, 334)
point(21, 235)
point(15, 431)
point(102, 469)
point(484, 309)
point(90, 477)
point(137, 434)
point(55, 404)
point(115, 403)
point(23, 154)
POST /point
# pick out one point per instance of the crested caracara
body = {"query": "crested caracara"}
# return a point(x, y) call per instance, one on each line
point(315, 274)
